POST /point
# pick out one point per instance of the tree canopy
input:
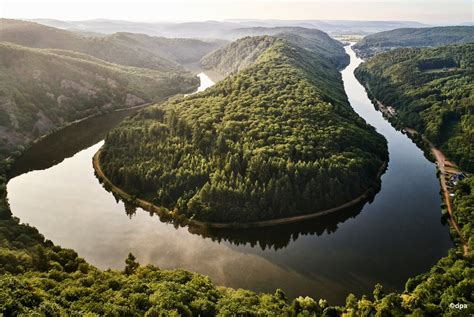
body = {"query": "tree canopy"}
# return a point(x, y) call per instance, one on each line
point(432, 91)
point(277, 139)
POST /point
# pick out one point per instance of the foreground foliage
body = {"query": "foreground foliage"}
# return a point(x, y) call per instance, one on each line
point(278, 139)
point(432, 91)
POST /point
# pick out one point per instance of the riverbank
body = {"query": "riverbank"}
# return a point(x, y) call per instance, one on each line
point(445, 168)
point(69, 124)
point(390, 114)
point(163, 212)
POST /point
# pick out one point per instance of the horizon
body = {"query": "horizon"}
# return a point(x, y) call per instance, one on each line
point(235, 20)
point(442, 12)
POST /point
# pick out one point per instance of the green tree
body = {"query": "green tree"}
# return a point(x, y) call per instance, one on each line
point(130, 264)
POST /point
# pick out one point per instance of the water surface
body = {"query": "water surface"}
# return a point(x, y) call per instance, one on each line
point(395, 236)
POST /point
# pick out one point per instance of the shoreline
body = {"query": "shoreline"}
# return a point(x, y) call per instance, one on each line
point(68, 124)
point(161, 211)
point(438, 156)
point(440, 160)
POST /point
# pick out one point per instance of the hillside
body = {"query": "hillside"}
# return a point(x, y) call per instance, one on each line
point(237, 56)
point(432, 91)
point(180, 50)
point(44, 89)
point(413, 37)
point(278, 139)
point(240, 54)
point(129, 49)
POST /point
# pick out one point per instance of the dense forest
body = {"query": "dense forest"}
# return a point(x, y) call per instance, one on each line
point(237, 55)
point(432, 91)
point(278, 139)
point(413, 37)
point(44, 89)
point(137, 50)
point(309, 38)
point(180, 50)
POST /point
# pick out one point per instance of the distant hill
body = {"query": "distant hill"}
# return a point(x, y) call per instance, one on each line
point(222, 29)
point(414, 37)
point(129, 49)
point(432, 91)
point(312, 39)
point(180, 50)
point(242, 53)
point(238, 55)
point(42, 89)
point(113, 49)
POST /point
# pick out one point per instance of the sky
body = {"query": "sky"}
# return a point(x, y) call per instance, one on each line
point(431, 12)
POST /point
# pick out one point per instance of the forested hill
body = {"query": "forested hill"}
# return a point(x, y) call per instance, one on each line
point(129, 49)
point(432, 91)
point(238, 55)
point(313, 39)
point(414, 37)
point(243, 52)
point(277, 139)
point(180, 50)
point(43, 89)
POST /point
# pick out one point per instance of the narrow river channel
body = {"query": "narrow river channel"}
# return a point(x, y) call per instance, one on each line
point(397, 235)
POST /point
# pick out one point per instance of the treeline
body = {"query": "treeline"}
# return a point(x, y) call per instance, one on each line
point(276, 140)
point(432, 92)
point(380, 42)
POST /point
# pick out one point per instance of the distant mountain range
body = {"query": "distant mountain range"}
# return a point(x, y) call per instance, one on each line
point(224, 29)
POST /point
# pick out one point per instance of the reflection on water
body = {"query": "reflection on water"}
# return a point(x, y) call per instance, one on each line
point(393, 237)
point(279, 237)
point(54, 149)
point(272, 237)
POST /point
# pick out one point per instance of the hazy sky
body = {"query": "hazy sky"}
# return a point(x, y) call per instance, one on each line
point(438, 11)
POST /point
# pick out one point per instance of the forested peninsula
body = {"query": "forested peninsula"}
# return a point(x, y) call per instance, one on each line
point(277, 139)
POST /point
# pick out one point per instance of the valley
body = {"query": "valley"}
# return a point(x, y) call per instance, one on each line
point(104, 231)
point(300, 183)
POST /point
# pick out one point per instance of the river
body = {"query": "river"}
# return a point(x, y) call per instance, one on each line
point(396, 235)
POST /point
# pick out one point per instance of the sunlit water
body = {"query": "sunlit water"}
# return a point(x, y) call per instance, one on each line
point(396, 236)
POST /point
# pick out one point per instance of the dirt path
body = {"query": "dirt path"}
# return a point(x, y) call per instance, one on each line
point(441, 162)
point(265, 223)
